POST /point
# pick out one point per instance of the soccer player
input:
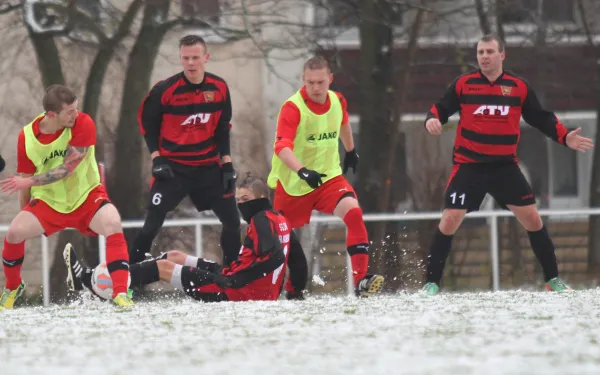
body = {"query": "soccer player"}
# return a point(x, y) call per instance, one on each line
point(257, 274)
point(306, 171)
point(60, 188)
point(185, 123)
point(491, 102)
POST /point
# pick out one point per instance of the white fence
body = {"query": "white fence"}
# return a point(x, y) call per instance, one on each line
point(199, 223)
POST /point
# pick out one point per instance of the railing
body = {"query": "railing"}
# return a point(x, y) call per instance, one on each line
point(199, 223)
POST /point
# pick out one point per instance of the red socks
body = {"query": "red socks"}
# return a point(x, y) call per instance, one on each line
point(117, 262)
point(12, 260)
point(357, 243)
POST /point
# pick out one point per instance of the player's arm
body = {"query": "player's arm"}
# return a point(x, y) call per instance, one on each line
point(543, 120)
point(25, 194)
point(287, 126)
point(150, 117)
point(446, 106)
point(346, 130)
point(73, 158)
point(222, 132)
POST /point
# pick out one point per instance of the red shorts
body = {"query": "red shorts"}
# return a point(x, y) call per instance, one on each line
point(53, 221)
point(323, 199)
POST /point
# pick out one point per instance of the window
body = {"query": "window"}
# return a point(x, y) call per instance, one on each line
point(525, 11)
point(347, 13)
point(208, 11)
point(564, 171)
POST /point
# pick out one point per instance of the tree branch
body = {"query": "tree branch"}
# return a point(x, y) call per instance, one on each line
point(584, 20)
point(484, 21)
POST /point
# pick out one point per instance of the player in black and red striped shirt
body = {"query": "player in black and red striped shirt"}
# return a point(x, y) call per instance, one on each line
point(185, 121)
point(491, 102)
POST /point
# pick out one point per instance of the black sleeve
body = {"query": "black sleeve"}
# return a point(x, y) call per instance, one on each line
point(297, 264)
point(266, 238)
point(221, 136)
point(544, 121)
point(446, 106)
point(150, 117)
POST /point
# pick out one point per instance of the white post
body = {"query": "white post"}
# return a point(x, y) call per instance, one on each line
point(349, 272)
point(198, 240)
point(102, 249)
point(494, 247)
point(45, 272)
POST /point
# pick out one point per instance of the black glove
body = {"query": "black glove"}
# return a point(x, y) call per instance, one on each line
point(2, 164)
point(351, 161)
point(161, 168)
point(312, 178)
point(294, 296)
point(229, 177)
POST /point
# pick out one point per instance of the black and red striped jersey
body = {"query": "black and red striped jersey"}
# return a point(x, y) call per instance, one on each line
point(187, 123)
point(490, 115)
point(262, 261)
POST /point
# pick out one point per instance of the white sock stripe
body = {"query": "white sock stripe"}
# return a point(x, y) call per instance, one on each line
point(191, 261)
point(176, 277)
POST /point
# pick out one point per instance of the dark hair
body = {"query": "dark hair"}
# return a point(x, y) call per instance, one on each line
point(191, 39)
point(256, 185)
point(317, 62)
point(492, 37)
point(57, 95)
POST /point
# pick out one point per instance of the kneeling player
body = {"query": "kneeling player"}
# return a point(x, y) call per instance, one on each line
point(257, 274)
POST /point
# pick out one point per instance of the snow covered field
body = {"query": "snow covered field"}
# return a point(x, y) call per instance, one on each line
point(483, 333)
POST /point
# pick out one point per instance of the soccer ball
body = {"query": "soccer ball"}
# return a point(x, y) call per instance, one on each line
point(102, 283)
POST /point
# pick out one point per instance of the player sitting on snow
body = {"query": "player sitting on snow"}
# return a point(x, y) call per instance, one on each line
point(257, 274)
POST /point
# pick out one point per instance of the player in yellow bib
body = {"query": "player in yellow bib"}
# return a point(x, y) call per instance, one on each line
point(59, 187)
point(306, 172)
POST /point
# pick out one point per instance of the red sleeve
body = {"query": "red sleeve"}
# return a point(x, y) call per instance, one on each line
point(24, 164)
point(287, 124)
point(344, 104)
point(84, 131)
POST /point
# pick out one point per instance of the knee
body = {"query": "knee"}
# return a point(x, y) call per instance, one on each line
point(532, 221)
point(112, 226)
point(16, 234)
point(451, 221)
point(176, 256)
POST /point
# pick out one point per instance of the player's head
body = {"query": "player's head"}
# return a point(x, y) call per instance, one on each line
point(317, 77)
point(60, 104)
point(193, 55)
point(252, 196)
point(490, 54)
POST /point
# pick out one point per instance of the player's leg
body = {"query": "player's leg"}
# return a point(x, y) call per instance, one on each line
point(514, 192)
point(337, 197)
point(107, 222)
point(464, 193)
point(208, 194)
point(298, 269)
point(23, 227)
point(165, 195)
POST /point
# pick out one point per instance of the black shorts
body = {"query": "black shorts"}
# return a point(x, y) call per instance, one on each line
point(469, 183)
point(204, 186)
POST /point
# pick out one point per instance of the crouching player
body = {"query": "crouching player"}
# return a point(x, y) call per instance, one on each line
point(257, 274)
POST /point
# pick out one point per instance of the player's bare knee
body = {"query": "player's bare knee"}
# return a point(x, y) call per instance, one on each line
point(112, 226)
point(16, 234)
point(532, 221)
point(451, 220)
point(165, 269)
point(344, 206)
point(176, 256)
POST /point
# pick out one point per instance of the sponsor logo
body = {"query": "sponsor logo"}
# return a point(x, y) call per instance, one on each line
point(198, 118)
point(492, 110)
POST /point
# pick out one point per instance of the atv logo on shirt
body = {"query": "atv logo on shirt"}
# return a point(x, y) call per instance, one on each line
point(198, 118)
point(492, 110)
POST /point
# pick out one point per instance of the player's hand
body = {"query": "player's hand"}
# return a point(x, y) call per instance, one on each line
point(229, 177)
point(16, 183)
point(2, 164)
point(312, 178)
point(161, 168)
point(434, 126)
point(577, 142)
point(351, 161)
